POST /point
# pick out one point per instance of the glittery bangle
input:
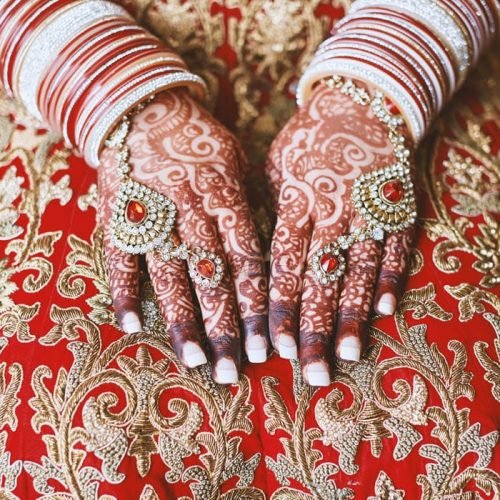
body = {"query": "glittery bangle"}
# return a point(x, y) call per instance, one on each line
point(47, 43)
point(404, 43)
point(96, 138)
point(386, 48)
point(102, 95)
point(365, 72)
point(56, 77)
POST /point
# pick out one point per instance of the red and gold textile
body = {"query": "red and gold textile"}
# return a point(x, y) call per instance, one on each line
point(86, 412)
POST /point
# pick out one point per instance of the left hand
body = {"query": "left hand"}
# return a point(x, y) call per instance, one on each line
point(312, 167)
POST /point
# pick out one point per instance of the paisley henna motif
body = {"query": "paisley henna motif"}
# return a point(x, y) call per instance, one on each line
point(178, 149)
point(312, 166)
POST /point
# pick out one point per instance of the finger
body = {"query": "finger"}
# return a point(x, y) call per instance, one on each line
point(392, 275)
point(288, 257)
point(356, 299)
point(123, 271)
point(319, 307)
point(171, 285)
point(218, 305)
point(246, 265)
point(123, 268)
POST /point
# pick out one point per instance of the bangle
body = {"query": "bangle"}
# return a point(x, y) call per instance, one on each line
point(363, 71)
point(437, 18)
point(155, 85)
point(80, 65)
point(50, 39)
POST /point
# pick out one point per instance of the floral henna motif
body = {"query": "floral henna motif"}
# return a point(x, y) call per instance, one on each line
point(178, 149)
point(313, 165)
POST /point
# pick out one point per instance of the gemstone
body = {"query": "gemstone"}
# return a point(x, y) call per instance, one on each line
point(136, 212)
point(329, 263)
point(392, 191)
point(391, 107)
point(206, 268)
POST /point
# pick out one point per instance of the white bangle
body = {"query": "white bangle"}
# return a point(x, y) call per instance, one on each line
point(365, 72)
point(98, 134)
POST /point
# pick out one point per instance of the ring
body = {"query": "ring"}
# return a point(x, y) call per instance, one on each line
point(385, 198)
point(205, 268)
point(143, 221)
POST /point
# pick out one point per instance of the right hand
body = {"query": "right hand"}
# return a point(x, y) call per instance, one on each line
point(178, 149)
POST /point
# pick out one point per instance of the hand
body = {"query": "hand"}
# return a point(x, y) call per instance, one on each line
point(312, 167)
point(178, 149)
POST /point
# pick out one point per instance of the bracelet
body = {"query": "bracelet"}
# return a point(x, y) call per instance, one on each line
point(437, 18)
point(415, 52)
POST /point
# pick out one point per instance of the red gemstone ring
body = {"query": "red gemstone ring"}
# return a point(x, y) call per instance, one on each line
point(206, 268)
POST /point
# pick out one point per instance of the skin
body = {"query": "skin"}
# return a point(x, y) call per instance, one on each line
point(313, 164)
point(178, 149)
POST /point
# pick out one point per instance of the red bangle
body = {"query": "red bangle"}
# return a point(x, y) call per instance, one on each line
point(73, 66)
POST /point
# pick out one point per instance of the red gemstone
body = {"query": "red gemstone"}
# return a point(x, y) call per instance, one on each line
point(206, 268)
point(393, 191)
point(136, 212)
point(329, 263)
point(391, 107)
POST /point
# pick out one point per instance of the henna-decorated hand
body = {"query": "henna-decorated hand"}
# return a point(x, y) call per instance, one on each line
point(178, 149)
point(312, 167)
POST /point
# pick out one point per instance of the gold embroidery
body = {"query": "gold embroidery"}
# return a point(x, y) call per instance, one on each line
point(9, 399)
point(273, 43)
point(192, 30)
point(86, 260)
point(85, 201)
point(300, 461)
point(10, 189)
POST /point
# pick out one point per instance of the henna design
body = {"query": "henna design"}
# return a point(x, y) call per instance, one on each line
point(171, 286)
point(392, 275)
point(313, 164)
point(178, 149)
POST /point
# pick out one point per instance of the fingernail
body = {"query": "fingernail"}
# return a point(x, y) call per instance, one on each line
point(317, 374)
point(256, 347)
point(387, 304)
point(193, 355)
point(131, 323)
point(349, 349)
point(225, 372)
point(287, 347)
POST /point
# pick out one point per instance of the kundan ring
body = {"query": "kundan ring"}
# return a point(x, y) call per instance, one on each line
point(385, 198)
point(143, 221)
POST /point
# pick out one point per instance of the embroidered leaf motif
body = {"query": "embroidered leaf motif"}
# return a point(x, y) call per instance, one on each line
point(384, 489)
point(470, 298)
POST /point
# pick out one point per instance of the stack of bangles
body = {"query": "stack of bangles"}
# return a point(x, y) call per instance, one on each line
point(417, 52)
point(81, 66)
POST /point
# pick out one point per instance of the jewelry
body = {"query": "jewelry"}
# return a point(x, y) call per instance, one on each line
point(143, 219)
point(79, 66)
point(403, 99)
point(437, 18)
point(384, 198)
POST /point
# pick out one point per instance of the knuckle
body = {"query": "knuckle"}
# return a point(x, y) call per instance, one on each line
point(247, 267)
